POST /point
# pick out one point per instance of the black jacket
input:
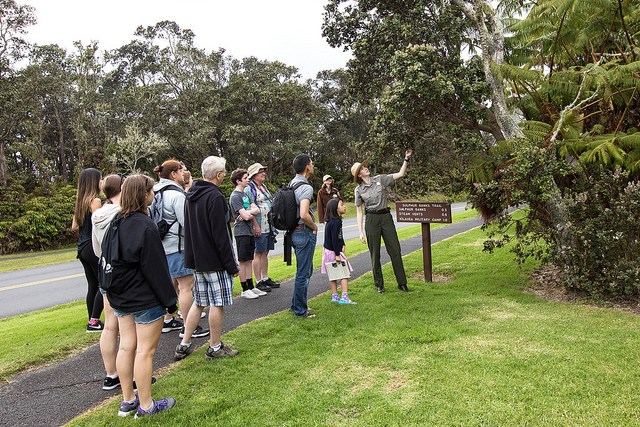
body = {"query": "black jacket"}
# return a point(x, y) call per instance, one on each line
point(207, 234)
point(333, 239)
point(142, 279)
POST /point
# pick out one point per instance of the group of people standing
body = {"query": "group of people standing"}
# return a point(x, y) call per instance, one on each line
point(194, 263)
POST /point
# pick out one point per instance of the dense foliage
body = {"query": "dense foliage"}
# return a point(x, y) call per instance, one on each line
point(545, 105)
point(578, 163)
point(37, 221)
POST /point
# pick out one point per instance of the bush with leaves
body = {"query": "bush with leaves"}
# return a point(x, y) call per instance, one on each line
point(603, 258)
point(36, 222)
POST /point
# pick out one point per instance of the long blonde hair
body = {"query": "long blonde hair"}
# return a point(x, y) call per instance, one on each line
point(88, 190)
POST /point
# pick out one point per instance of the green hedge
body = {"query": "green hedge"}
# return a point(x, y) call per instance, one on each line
point(38, 221)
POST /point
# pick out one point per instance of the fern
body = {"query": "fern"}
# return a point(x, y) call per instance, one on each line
point(631, 142)
point(605, 153)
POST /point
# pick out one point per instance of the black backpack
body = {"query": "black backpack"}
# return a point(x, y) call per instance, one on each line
point(155, 212)
point(110, 253)
point(284, 209)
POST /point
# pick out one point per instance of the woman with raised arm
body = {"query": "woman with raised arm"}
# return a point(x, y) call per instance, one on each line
point(372, 198)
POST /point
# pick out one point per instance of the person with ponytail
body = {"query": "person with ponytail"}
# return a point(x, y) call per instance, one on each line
point(101, 219)
point(87, 202)
point(140, 293)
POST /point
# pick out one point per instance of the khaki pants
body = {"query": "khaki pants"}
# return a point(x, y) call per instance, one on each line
point(379, 227)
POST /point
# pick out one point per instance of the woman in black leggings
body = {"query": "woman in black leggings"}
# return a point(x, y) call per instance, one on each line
point(87, 201)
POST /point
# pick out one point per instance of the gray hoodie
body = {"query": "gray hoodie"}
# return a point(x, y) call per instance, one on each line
point(101, 219)
point(172, 210)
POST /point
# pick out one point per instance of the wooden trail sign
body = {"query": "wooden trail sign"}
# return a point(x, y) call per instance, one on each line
point(424, 213)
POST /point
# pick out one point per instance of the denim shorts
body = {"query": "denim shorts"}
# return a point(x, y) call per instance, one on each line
point(176, 265)
point(264, 243)
point(142, 317)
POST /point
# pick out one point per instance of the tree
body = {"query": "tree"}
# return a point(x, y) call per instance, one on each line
point(345, 125)
point(47, 91)
point(14, 20)
point(408, 63)
point(576, 166)
point(269, 114)
point(136, 147)
point(188, 83)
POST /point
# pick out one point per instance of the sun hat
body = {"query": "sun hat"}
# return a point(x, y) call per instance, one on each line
point(326, 177)
point(355, 169)
point(254, 169)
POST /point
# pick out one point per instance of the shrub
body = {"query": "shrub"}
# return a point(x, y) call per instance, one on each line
point(603, 256)
point(40, 221)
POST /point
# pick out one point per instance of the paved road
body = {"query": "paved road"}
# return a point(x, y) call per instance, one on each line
point(24, 291)
point(55, 394)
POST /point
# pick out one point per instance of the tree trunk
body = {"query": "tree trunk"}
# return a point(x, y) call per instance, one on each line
point(3, 166)
point(61, 147)
point(492, 45)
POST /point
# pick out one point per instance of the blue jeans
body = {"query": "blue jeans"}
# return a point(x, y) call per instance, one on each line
point(304, 244)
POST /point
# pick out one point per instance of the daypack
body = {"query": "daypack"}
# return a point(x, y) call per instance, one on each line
point(110, 253)
point(284, 209)
point(155, 212)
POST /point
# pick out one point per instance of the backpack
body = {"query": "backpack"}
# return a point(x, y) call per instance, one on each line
point(110, 253)
point(155, 212)
point(284, 214)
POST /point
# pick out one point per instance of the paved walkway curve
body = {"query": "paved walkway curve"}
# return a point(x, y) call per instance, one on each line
point(53, 395)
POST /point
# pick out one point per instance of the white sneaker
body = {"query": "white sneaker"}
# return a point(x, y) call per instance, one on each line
point(248, 295)
point(258, 292)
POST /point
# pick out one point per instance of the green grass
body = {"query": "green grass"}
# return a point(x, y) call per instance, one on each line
point(37, 259)
point(49, 335)
point(34, 328)
point(472, 349)
point(280, 271)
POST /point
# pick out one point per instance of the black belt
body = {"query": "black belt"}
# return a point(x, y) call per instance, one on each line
point(378, 212)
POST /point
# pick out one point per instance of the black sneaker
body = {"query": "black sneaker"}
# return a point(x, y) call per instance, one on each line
point(110, 383)
point(223, 351)
point(172, 325)
point(135, 387)
point(197, 333)
point(263, 286)
point(95, 327)
point(271, 283)
point(182, 351)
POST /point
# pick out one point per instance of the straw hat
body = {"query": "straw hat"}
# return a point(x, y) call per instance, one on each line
point(254, 169)
point(355, 169)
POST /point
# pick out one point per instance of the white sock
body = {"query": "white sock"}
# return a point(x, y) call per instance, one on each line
point(217, 347)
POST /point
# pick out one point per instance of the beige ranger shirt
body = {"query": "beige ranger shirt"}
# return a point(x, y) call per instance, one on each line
point(374, 196)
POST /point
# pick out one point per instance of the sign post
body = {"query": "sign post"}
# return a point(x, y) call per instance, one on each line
point(424, 213)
